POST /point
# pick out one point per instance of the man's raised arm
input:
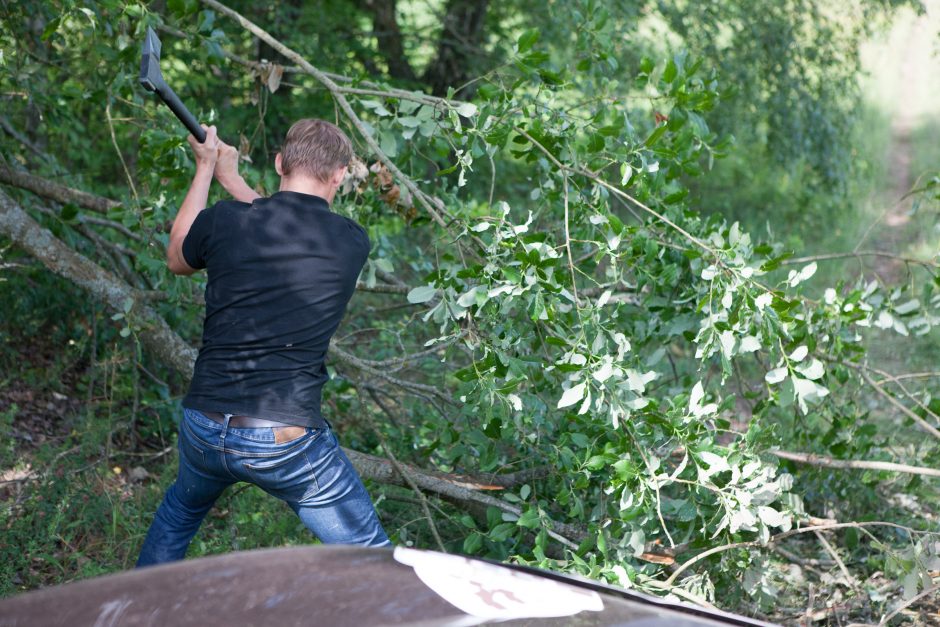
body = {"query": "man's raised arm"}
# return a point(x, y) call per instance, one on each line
point(207, 153)
point(226, 173)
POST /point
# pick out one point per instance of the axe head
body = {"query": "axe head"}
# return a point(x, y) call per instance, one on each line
point(150, 76)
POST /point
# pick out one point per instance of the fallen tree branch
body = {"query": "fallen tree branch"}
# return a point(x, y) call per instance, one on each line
point(401, 361)
point(60, 193)
point(15, 134)
point(828, 462)
point(382, 471)
point(859, 254)
point(361, 364)
point(383, 288)
point(591, 176)
point(371, 89)
point(154, 332)
point(904, 390)
point(55, 191)
point(908, 375)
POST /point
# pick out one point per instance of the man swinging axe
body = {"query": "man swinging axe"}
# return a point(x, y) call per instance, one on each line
point(281, 270)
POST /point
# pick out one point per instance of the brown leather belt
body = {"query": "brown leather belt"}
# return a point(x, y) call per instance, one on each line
point(282, 432)
point(243, 422)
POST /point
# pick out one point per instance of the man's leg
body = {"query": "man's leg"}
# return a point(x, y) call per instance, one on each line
point(184, 506)
point(317, 480)
point(340, 511)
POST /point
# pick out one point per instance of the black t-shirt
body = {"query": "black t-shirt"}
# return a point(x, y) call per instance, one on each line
point(280, 273)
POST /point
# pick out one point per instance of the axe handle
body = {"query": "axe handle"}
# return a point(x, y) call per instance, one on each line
point(188, 119)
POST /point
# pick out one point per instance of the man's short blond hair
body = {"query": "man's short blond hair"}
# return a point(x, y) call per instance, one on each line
point(315, 148)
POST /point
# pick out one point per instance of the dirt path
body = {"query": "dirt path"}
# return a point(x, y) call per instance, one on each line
point(895, 231)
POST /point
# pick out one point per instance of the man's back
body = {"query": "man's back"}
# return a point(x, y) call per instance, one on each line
point(280, 273)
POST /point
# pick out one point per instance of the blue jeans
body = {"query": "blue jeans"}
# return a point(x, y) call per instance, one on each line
point(310, 473)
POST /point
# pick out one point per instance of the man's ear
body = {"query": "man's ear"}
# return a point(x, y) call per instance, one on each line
point(277, 165)
point(338, 175)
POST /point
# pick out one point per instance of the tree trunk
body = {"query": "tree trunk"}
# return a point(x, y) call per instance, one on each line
point(461, 40)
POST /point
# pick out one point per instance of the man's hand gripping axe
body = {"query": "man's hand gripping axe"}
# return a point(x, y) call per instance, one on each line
point(152, 79)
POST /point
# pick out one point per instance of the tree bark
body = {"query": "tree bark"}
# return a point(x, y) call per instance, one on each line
point(829, 462)
point(153, 331)
point(461, 40)
point(55, 191)
point(389, 38)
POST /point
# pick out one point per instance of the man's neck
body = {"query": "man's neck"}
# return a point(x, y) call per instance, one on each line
point(305, 185)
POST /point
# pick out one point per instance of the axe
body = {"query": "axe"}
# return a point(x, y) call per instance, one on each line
point(152, 79)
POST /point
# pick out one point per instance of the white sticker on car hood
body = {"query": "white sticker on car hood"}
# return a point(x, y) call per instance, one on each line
point(492, 592)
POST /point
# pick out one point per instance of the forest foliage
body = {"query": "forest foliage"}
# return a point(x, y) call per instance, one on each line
point(568, 300)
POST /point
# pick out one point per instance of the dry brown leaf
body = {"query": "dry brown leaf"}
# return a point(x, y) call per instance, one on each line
point(392, 195)
point(273, 80)
point(656, 558)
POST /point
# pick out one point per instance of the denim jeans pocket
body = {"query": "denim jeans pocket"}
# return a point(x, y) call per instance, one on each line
point(192, 448)
point(289, 476)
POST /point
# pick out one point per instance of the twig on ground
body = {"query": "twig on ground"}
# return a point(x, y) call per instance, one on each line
point(806, 562)
point(849, 579)
point(926, 593)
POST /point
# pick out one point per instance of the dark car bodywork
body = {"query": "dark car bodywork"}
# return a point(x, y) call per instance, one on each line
point(330, 585)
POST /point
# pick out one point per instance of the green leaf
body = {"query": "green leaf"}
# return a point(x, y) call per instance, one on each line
point(472, 543)
point(389, 144)
point(69, 212)
point(669, 74)
point(467, 109)
point(572, 395)
point(421, 294)
point(51, 28)
point(502, 531)
point(529, 519)
point(776, 375)
point(181, 8)
point(773, 264)
point(656, 135)
point(596, 462)
point(527, 40)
